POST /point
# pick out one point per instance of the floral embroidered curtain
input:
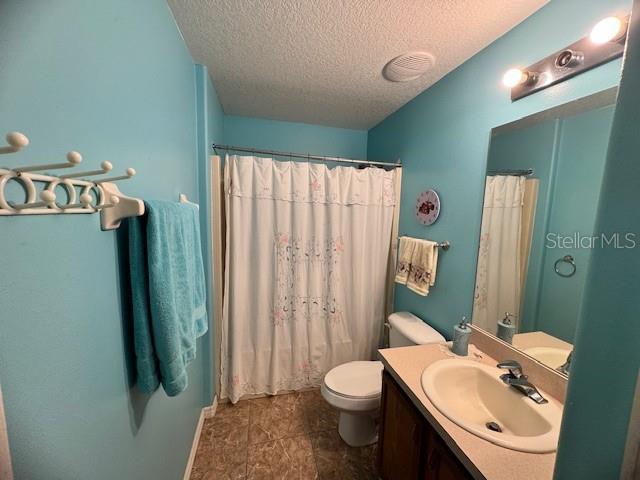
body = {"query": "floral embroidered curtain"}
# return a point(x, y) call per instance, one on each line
point(498, 281)
point(306, 269)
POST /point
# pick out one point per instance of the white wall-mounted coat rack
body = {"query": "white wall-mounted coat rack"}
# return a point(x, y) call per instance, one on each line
point(83, 195)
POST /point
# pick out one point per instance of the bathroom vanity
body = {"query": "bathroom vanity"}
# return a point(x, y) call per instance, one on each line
point(417, 441)
point(408, 446)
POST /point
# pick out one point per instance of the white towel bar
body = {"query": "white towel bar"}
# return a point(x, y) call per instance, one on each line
point(184, 199)
point(443, 245)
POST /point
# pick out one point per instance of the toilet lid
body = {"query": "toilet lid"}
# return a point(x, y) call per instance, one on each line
point(414, 329)
point(356, 379)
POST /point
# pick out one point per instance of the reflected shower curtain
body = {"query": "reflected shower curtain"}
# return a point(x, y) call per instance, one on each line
point(498, 278)
point(306, 267)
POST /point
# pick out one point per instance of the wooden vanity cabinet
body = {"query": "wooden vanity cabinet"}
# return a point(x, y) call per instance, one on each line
point(441, 463)
point(408, 447)
point(401, 434)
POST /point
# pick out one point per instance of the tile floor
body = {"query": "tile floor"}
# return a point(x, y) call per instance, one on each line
point(292, 436)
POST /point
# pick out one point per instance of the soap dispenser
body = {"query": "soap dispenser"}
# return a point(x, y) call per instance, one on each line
point(461, 334)
point(506, 329)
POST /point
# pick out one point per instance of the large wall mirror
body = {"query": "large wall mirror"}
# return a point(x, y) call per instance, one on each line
point(542, 187)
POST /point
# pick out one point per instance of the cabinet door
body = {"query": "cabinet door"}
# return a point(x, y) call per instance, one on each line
point(441, 463)
point(400, 446)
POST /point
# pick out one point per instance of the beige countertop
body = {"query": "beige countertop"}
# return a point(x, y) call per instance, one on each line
point(483, 459)
point(538, 339)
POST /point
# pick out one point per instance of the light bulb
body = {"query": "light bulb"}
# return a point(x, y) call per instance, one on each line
point(514, 77)
point(606, 30)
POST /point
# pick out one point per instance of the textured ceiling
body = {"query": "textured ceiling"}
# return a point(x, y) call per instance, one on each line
point(320, 61)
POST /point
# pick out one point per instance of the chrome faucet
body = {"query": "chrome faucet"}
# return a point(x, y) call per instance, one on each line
point(518, 380)
point(564, 368)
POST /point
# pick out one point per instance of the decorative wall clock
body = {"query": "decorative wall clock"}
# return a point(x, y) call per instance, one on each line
point(428, 207)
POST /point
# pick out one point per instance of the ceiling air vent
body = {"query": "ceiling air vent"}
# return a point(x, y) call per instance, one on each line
point(408, 66)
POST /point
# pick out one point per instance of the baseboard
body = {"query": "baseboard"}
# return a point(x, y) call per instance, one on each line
point(206, 412)
point(211, 410)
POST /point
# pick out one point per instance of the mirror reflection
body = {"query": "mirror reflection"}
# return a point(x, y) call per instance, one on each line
point(538, 226)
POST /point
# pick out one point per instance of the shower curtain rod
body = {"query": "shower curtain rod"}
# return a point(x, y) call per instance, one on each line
point(306, 156)
point(516, 173)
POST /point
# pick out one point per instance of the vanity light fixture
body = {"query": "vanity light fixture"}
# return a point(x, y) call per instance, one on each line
point(608, 29)
point(605, 43)
point(515, 76)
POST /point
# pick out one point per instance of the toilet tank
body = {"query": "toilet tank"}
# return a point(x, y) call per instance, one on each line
point(406, 329)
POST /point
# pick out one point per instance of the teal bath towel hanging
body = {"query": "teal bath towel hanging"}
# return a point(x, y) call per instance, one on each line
point(168, 293)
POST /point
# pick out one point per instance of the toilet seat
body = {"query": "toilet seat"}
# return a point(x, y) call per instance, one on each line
point(354, 386)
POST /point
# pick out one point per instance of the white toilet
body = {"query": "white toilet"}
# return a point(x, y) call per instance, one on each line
point(355, 388)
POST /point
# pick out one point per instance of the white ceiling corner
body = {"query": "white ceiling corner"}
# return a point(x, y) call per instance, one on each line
point(321, 61)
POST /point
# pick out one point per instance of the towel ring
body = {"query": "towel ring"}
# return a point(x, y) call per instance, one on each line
point(566, 259)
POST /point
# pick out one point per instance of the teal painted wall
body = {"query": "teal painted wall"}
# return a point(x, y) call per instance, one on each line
point(607, 357)
point(567, 155)
point(294, 137)
point(577, 180)
point(442, 137)
point(114, 80)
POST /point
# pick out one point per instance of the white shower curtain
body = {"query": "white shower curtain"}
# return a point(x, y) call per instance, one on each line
point(306, 266)
point(498, 276)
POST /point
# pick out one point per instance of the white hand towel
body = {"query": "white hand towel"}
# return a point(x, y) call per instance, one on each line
point(424, 264)
point(405, 249)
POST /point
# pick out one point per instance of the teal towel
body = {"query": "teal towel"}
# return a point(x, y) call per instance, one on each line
point(168, 293)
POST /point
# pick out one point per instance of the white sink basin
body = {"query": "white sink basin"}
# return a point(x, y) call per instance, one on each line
point(472, 395)
point(551, 356)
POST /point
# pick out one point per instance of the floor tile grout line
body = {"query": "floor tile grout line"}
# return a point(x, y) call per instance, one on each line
point(306, 414)
point(304, 432)
point(315, 459)
point(246, 459)
point(300, 434)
